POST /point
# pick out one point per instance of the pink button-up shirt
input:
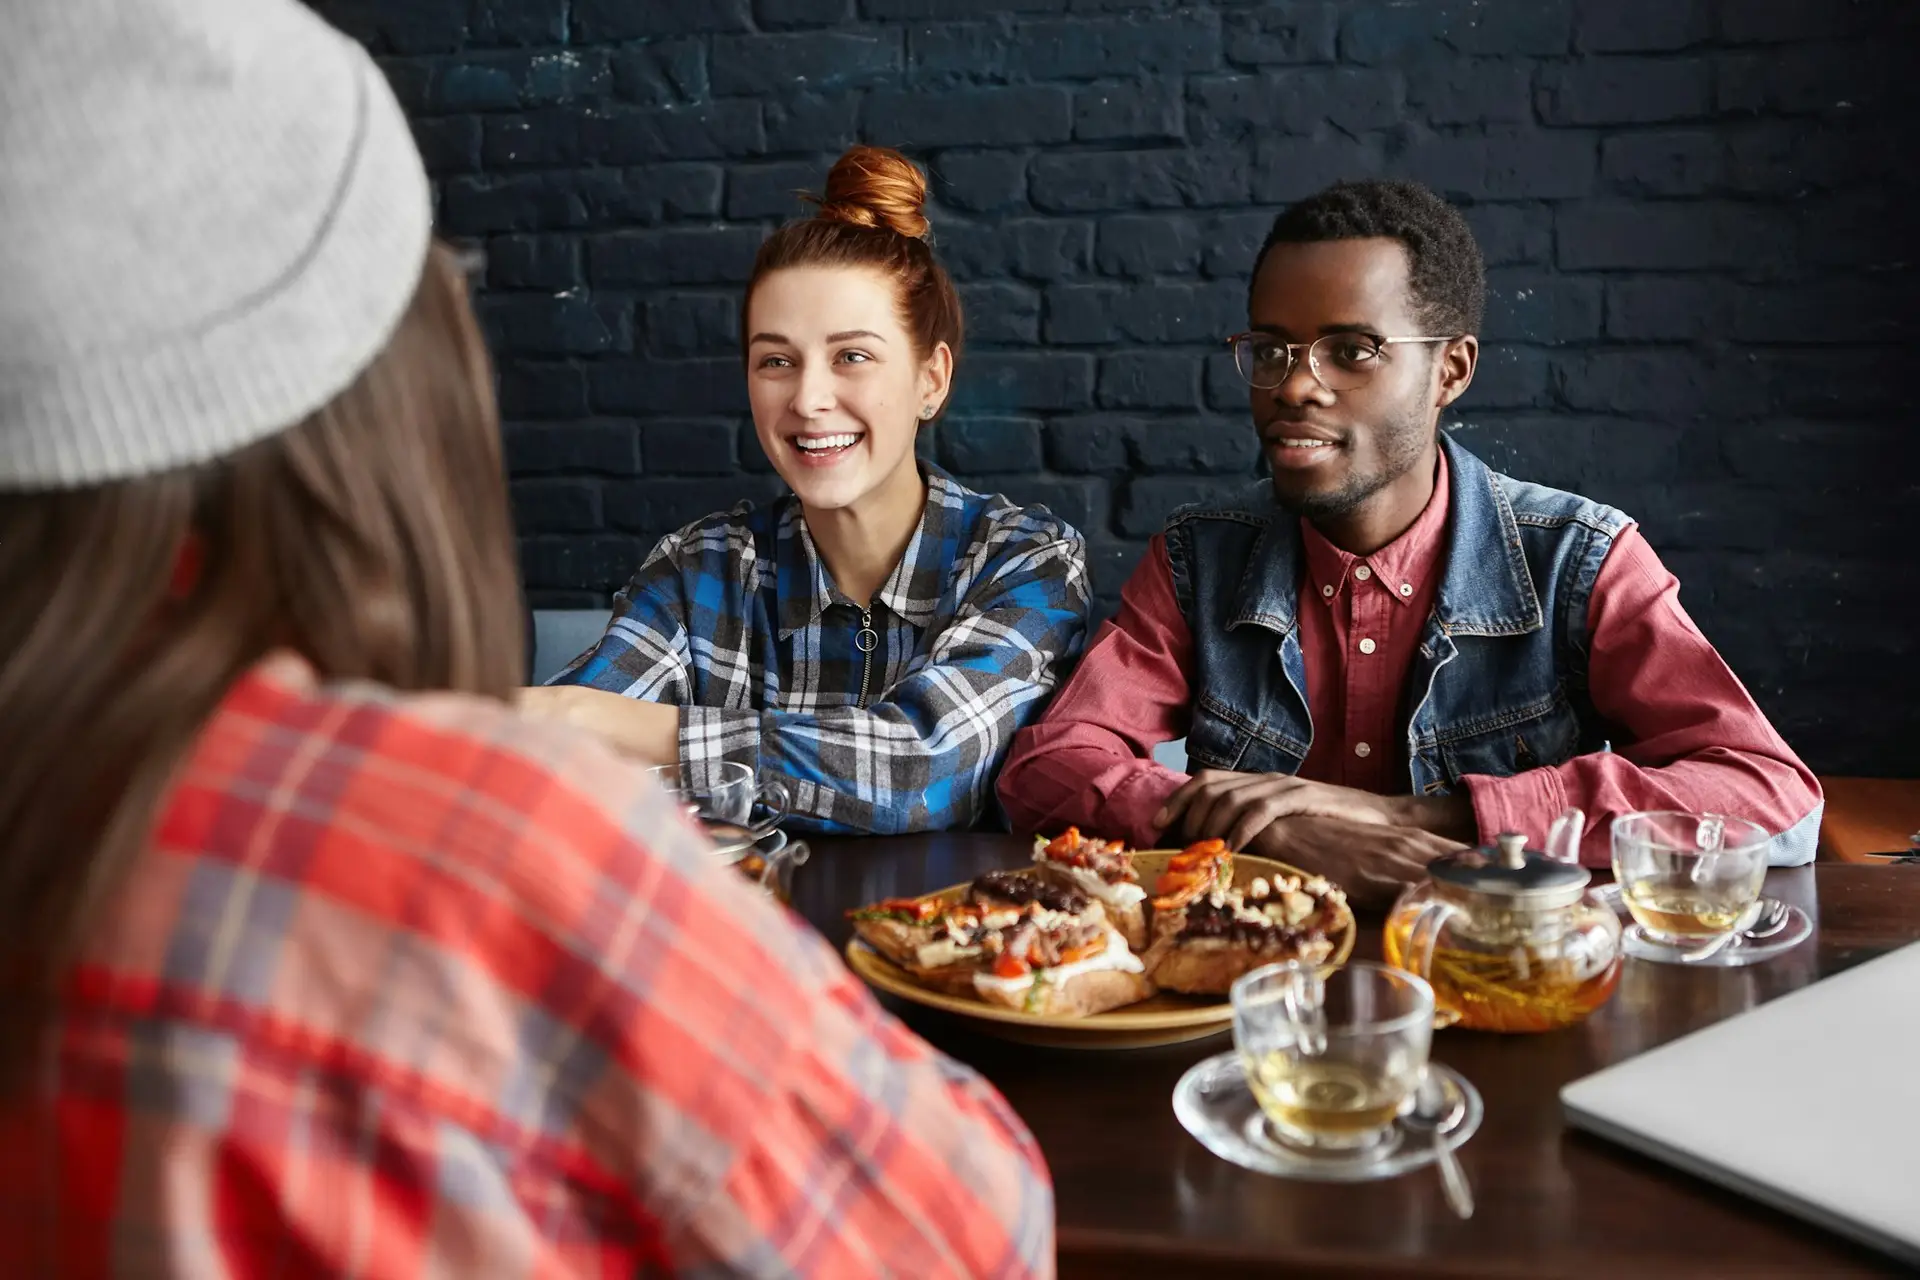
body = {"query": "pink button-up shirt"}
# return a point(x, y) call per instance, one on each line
point(1686, 734)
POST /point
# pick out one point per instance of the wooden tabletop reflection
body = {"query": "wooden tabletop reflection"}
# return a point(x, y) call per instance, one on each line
point(1137, 1196)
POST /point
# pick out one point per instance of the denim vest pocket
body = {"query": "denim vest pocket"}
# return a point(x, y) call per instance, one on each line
point(1222, 737)
point(1545, 733)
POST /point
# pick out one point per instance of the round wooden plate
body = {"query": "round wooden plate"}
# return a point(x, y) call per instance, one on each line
point(1166, 1018)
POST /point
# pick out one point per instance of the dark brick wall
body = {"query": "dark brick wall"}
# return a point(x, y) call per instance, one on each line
point(1699, 277)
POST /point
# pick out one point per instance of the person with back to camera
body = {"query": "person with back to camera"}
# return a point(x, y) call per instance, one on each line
point(320, 959)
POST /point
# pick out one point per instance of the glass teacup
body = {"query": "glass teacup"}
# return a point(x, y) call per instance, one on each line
point(1332, 1060)
point(725, 806)
point(1686, 878)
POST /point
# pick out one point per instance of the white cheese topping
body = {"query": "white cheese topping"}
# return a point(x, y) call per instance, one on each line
point(1116, 956)
point(1124, 894)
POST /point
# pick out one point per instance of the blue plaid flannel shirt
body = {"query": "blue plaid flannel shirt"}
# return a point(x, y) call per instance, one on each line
point(735, 619)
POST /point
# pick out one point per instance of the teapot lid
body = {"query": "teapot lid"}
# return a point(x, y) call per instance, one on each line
point(1511, 871)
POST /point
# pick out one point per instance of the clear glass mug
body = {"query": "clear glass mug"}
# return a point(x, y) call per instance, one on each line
point(725, 806)
point(1687, 878)
point(1332, 1060)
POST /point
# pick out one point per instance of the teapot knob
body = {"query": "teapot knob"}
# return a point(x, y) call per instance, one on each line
point(1513, 849)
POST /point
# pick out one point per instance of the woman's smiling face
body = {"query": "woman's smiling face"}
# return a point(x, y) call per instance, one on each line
point(836, 386)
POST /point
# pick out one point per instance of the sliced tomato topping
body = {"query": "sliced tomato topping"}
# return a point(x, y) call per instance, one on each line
point(1011, 966)
point(1085, 951)
point(1064, 843)
point(1190, 874)
point(1197, 854)
point(1171, 882)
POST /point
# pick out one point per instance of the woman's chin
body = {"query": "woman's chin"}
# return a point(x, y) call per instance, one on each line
point(827, 489)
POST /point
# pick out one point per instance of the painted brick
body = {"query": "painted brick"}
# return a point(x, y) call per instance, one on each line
point(690, 447)
point(1150, 380)
point(998, 117)
point(530, 389)
point(825, 60)
point(982, 181)
point(1025, 248)
point(1001, 314)
point(661, 73)
point(773, 190)
point(1129, 113)
point(812, 122)
point(1084, 314)
point(1086, 48)
point(691, 255)
point(1150, 244)
point(594, 447)
point(606, 21)
point(1280, 33)
point(1089, 443)
point(1168, 179)
point(556, 506)
point(774, 14)
point(990, 446)
point(1295, 100)
point(1642, 26)
point(691, 324)
point(1626, 91)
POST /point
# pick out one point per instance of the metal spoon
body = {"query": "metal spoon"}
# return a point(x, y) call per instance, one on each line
point(1437, 1110)
point(1763, 919)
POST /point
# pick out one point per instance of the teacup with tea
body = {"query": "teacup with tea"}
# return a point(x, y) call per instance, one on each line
point(1333, 1059)
point(1688, 879)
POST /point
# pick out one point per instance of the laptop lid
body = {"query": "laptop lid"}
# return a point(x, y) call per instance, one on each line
point(1806, 1103)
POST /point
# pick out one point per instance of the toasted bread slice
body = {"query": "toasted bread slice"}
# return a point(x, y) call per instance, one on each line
point(1204, 945)
point(1210, 966)
point(1111, 977)
point(1081, 995)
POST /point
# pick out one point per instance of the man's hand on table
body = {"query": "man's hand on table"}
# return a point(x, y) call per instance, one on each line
point(1372, 861)
point(1369, 844)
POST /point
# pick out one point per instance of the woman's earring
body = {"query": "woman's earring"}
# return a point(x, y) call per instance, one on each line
point(926, 413)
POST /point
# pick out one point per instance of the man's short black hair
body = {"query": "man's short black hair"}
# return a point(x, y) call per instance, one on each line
point(1448, 278)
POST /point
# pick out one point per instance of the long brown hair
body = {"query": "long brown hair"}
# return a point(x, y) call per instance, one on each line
point(872, 215)
point(373, 538)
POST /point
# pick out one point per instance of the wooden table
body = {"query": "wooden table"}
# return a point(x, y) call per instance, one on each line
point(1138, 1197)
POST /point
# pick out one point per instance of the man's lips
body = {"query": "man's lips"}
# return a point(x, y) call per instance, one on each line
point(1293, 446)
point(1283, 434)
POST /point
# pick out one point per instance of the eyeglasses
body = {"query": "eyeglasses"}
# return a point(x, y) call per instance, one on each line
point(1338, 361)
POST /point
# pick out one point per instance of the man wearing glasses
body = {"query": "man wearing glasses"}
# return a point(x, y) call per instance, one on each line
point(1388, 650)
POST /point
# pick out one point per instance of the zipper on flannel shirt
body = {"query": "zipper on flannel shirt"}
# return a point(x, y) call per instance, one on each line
point(866, 640)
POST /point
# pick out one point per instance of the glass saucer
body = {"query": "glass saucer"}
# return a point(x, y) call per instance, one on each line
point(1214, 1104)
point(1736, 954)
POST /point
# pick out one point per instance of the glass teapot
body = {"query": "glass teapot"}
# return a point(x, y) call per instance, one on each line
point(1510, 939)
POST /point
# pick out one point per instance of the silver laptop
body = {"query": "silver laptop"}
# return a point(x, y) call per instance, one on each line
point(1807, 1103)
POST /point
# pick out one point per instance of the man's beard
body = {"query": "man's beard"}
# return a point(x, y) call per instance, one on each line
point(1403, 443)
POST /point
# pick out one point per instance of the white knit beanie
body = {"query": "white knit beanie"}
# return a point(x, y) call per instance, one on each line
point(212, 216)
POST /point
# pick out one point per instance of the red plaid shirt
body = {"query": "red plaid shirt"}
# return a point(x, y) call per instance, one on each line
point(411, 987)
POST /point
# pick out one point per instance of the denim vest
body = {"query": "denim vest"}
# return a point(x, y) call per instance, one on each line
point(1499, 683)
